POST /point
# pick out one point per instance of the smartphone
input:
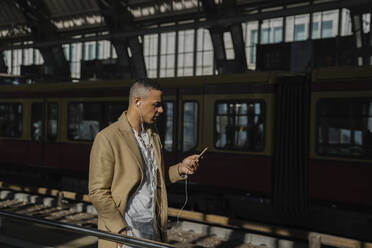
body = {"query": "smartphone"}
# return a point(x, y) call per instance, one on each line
point(202, 153)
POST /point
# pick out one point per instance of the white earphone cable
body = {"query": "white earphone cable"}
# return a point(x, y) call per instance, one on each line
point(138, 108)
point(184, 204)
point(186, 192)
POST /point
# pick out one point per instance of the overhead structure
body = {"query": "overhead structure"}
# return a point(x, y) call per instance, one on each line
point(48, 25)
point(215, 12)
point(363, 40)
point(130, 53)
point(36, 16)
point(3, 67)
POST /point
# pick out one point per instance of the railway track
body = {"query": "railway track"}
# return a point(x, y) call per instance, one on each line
point(189, 229)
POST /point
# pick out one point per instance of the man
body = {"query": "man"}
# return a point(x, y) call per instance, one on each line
point(127, 176)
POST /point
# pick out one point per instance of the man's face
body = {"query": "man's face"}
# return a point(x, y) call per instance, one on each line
point(151, 107)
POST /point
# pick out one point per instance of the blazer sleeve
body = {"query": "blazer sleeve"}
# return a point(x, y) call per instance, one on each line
point(101, 171)
point(173, 175)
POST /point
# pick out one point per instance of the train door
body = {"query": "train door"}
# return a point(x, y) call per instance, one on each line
point(13, 132)
point(36, 146)
point(190, 121)
point(168, 129)
point(82, 119)
point(52, 132)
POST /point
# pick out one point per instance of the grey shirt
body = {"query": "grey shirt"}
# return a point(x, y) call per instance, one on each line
point(139, 213)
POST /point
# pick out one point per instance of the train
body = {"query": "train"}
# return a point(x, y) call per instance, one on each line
point(288, 140)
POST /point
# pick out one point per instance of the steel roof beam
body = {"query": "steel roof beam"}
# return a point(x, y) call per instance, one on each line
point(3, 67)
point(197, 23)
point(36, 15)
point(215, 12)
point(363, 41)
point(129, 50)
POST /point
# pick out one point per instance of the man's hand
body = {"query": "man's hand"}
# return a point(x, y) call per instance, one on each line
point(189, 165)
point(124, 233)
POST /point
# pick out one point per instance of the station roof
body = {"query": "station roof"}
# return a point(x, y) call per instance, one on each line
point(72, 17)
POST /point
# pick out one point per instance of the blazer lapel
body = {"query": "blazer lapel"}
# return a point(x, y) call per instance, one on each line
point(157, 151)
point(156, 145)
point(126, 131)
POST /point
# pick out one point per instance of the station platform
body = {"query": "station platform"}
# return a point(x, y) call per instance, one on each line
point(16, 233)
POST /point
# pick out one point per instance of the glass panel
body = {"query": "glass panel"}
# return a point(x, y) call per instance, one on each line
point(38, 59)
point(37, 121)
point(190, 125)
point(346, 26)
point(52, 122)
point(299, 30)
point(265, 35)
point(301, 27)
point(27, 53)
point(252, 47)
point(330, 23)
point(239, 126)
point(84, 120)
point(344, 128)
point(289, 28)
point(316, 31)
point(204, 53)
point(168, 139)
point(113, 111)
point(66, 51)
point(150, 53)
point(89, 50)
point(99, 51)
point(11, 124)
point(185, 53)
point(222, 108)
point(167, 54)
point(166, 126)
point(278, 34)
point(327, 29)
point(76, 56)
point(229, 49)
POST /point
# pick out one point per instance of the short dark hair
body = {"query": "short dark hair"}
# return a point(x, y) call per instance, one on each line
point(149, 83)
point(141, 87)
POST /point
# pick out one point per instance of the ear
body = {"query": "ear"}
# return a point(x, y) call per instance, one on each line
point(137, 101)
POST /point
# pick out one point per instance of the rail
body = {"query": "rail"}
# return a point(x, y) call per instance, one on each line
point(314, 239)
point(132, 241)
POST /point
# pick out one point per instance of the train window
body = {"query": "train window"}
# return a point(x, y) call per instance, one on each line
point(190, 125)
point(11, 123)
point(52, 122)
point(166, 126)
point(37, 121)
point(344, 128)
point(112, 112)
point(84, 120)
point(240, 125)
point(169, 126)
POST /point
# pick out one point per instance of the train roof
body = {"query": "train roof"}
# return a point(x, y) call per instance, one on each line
point(179, 82)
point(341, 74)
point(335, 74)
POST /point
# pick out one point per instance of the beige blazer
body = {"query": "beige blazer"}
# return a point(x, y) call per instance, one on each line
point(116, 172)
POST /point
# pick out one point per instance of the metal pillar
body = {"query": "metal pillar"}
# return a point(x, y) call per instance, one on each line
point(363, 41)
point(36, 15)
point(215, 12)
point(3, 67)
point(129, 50)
